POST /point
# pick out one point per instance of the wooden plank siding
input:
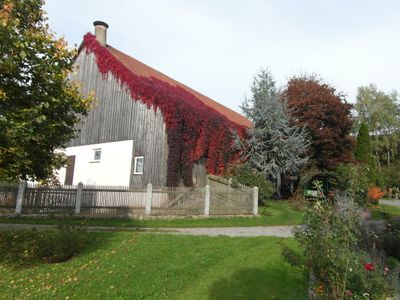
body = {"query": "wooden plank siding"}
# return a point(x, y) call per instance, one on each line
point(116, 117)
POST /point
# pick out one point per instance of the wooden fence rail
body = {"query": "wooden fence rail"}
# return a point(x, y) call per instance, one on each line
point(213, 199)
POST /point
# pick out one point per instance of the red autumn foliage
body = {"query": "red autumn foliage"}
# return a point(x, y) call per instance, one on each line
point(195, 131)
point(375, 194)
point(326, 115)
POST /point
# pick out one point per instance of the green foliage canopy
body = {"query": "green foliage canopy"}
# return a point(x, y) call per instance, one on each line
point(38, 104)
point(381, 111)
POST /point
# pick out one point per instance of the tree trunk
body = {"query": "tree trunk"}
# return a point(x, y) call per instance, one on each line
point(379, 161)
point(377, 152)
point(278, 185)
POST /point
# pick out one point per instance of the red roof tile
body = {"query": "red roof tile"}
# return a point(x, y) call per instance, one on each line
point(142, 69)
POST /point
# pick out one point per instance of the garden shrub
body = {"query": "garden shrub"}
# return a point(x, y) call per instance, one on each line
point(354, 179)
point(390, 238)
point(375, 193)
point(250, 177)
point(24, 247)
point(338, 267)
point(369, 278)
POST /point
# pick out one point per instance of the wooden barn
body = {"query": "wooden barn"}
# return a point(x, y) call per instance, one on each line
point(144, 126)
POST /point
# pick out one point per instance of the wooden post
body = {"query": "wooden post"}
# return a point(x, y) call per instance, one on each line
point(78, 198)
point(255, 201)
point(20, 196)
point(149, 196)
point(207, 201)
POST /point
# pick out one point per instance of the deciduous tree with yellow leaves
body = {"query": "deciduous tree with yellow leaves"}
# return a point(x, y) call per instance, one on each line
point(38, 104)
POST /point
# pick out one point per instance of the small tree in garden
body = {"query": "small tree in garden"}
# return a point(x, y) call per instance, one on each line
point(39, 106)
point(275, 147)
point(375, 194)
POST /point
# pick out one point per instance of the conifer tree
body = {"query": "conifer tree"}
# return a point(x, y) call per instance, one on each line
point(274, 147)
point(363, 152)
point(363, 147)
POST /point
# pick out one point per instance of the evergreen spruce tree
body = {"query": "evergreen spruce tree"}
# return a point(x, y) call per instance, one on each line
point(274, 147)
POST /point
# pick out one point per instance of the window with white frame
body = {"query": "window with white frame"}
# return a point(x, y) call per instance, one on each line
point(138, 165)
point(96, 154)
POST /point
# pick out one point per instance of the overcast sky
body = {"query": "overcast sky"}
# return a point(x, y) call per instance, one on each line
point(216, 47)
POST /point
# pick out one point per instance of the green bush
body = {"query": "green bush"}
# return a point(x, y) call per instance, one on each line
point(33, 246)
point(251, 178)
point(354, 179)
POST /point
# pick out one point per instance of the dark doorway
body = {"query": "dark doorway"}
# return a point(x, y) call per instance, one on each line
point(69, 175)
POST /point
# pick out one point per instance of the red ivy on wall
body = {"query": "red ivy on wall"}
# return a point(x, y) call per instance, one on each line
point(195, 131)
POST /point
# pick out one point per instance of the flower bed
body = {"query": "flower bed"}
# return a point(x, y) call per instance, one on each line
point(343, 259)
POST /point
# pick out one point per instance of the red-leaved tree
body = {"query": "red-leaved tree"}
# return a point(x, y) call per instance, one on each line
point(327, 116)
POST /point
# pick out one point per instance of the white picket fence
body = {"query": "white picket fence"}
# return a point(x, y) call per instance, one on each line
point(216, 198)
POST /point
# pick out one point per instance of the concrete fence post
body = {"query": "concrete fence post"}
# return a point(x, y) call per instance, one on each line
point(78, 198)
point(20, 196)
point(207, 201)
point(149, 196)
point(255, 201)
point(229, 189)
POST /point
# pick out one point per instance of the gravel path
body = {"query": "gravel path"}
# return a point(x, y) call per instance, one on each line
point(278, 231)
point(390, 202)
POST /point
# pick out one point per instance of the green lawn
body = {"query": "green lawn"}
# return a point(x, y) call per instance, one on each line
point(150, 266)
point(275, 213)
point(382, 211)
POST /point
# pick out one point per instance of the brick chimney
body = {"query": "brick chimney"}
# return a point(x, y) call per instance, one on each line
point(100, 31)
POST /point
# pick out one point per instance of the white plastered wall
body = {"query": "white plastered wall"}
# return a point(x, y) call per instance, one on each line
point(114, 167)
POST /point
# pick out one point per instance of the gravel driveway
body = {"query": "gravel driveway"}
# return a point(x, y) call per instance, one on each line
point(390, 202)
point(278, 231)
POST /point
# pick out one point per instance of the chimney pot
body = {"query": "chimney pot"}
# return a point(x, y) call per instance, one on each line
point(100, 31)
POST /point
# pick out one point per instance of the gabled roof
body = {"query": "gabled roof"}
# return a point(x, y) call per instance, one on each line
point(142, 69)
